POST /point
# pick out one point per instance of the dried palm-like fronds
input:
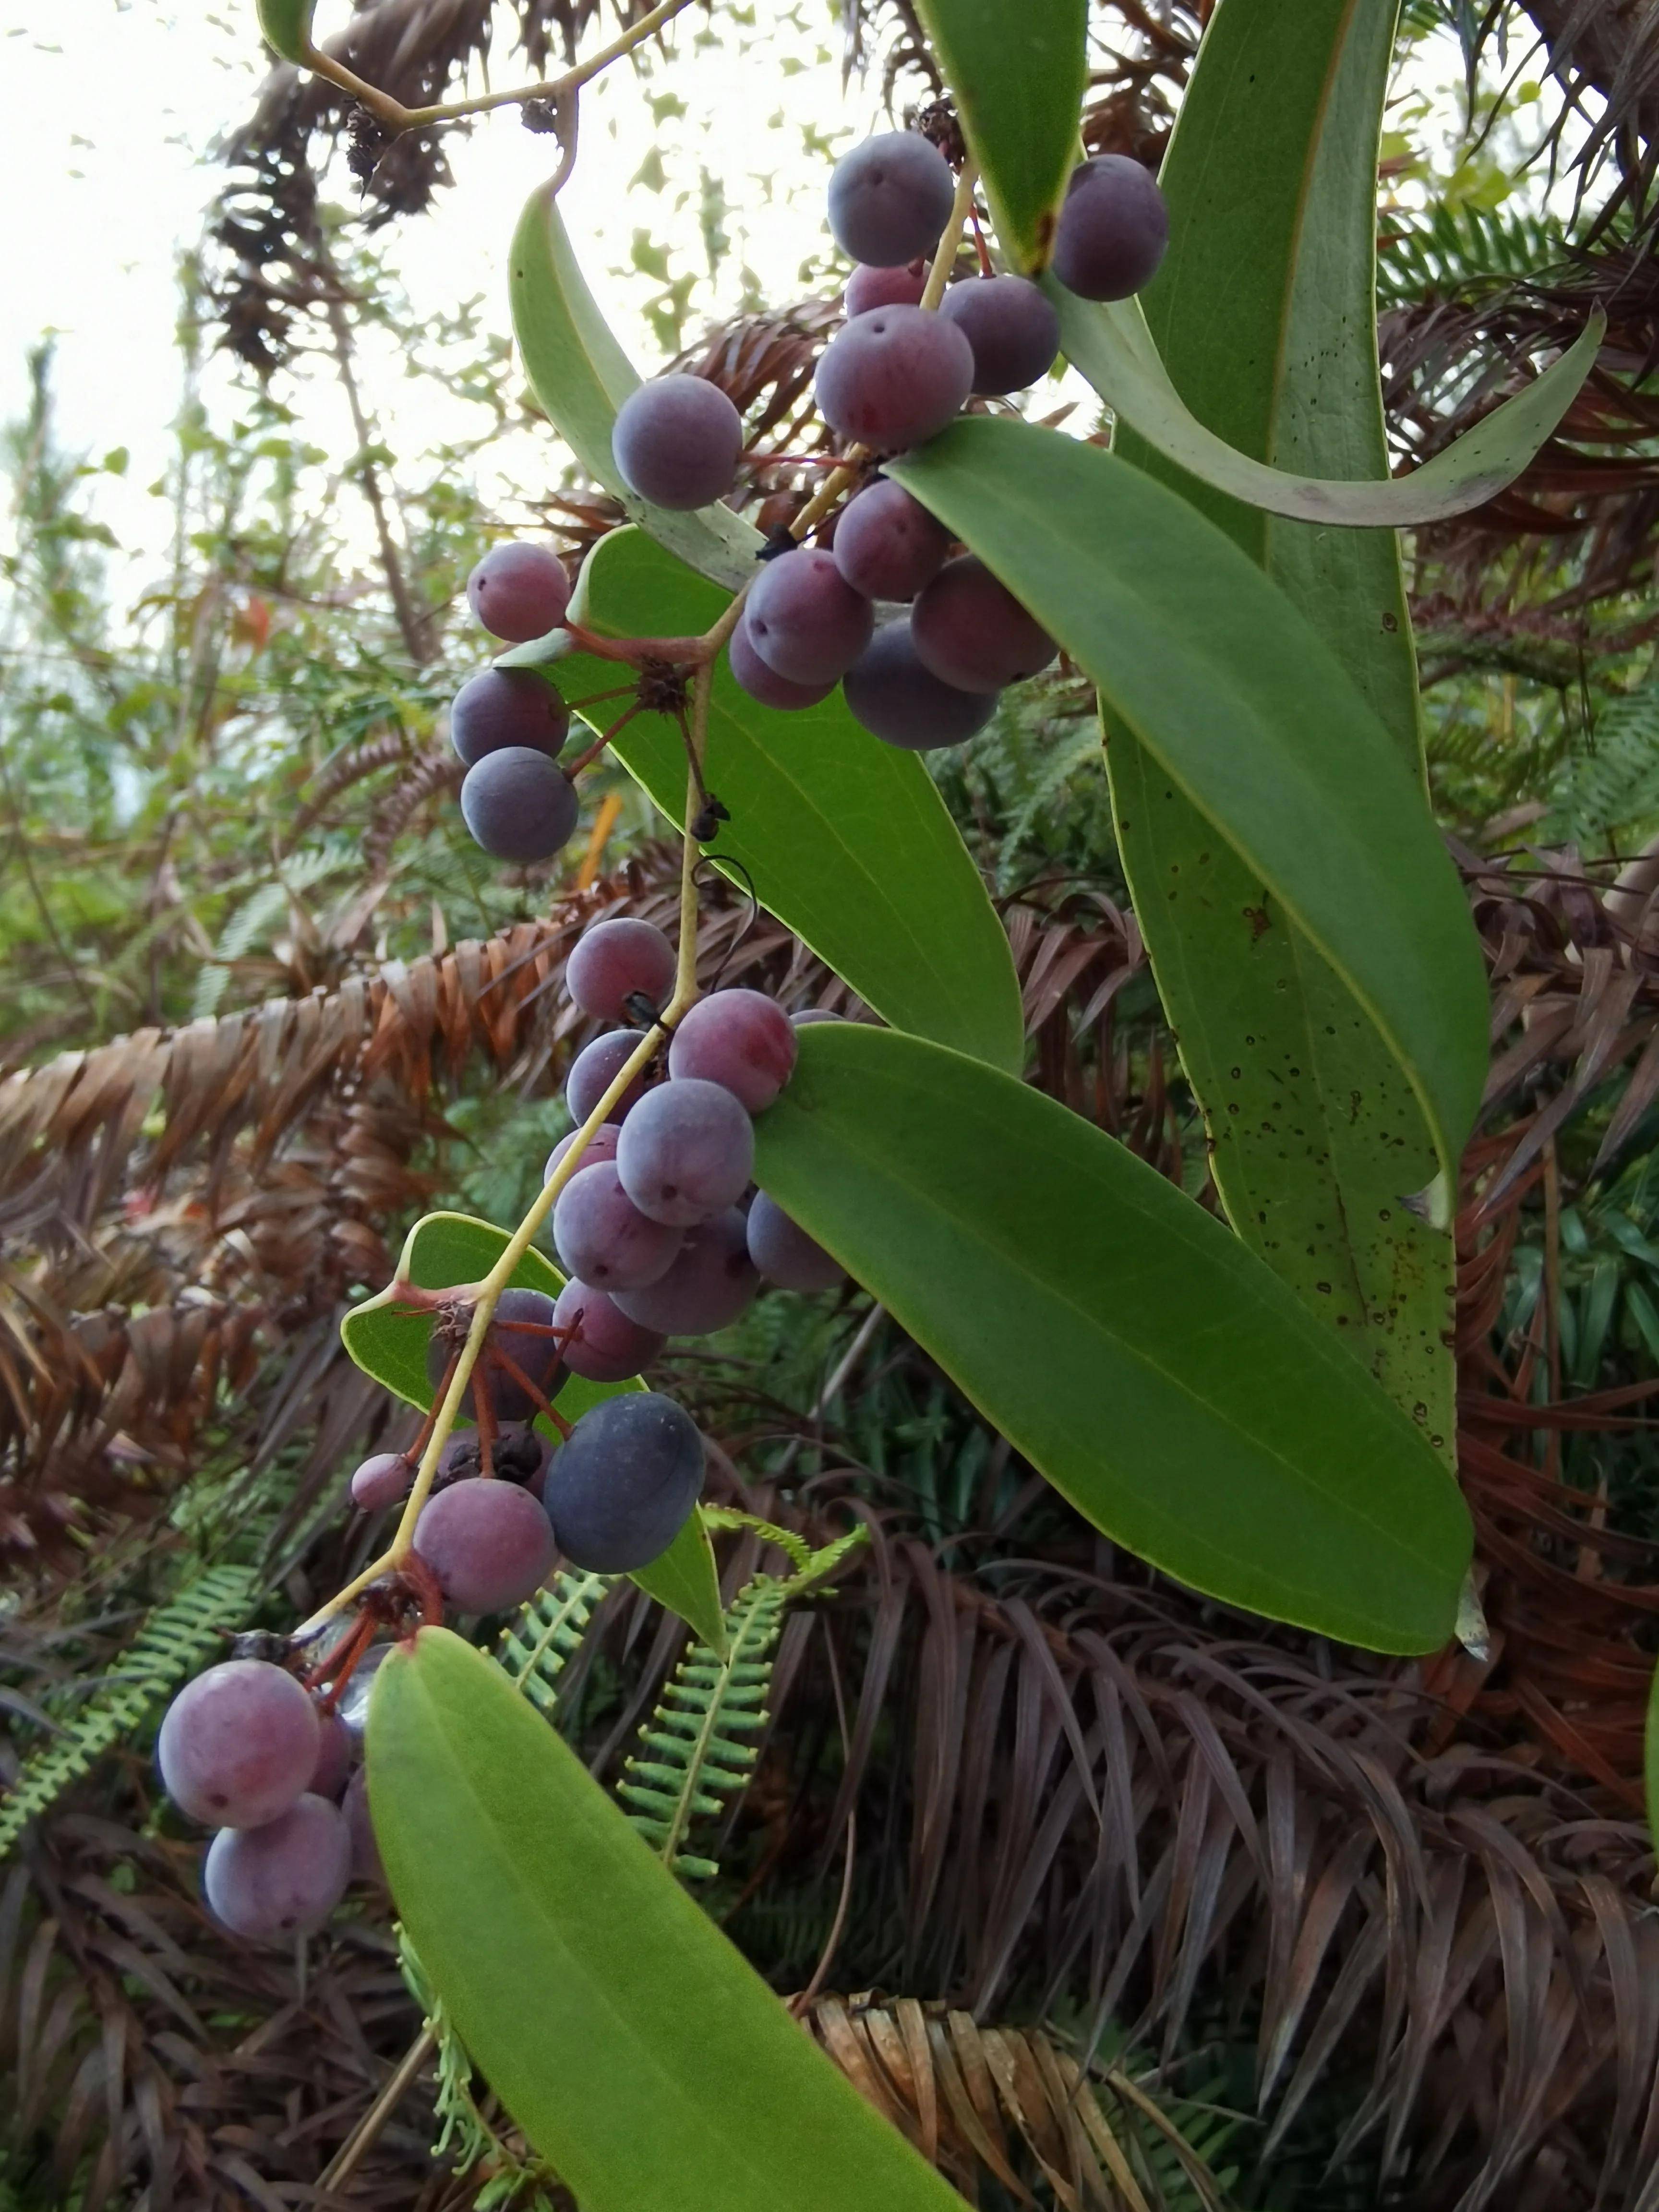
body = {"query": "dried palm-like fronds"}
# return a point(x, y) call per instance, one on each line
point(1012, 2105)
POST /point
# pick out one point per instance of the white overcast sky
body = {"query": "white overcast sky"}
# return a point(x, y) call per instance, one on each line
point(112, 108)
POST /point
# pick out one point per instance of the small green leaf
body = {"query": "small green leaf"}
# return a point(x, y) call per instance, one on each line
point(1112, 347)
point(1018, 86)
point(640, 2054)
point(285, 25)
point(845, 839)
point(1127, 1344)
point(452, 1249)
point(1249, 714)
point(582, 376)
point(444, 1251)
point(686, 1580)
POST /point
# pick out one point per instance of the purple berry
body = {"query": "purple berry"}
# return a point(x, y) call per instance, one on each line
point(972, 631)
point(887, 544)
point(751, 674)
point(617, 960)
point(1012, 327)
point(677, 441)
point(687, 1151)
point(487, 1542)
point(365, 1851)
point(336, 1748)
point(803, 620)
point(890, 198)
point(601, 1145)
point(518, 592)
point(710, 1284)
point(894, 378)
point(381, 1481)
point(239, 1744)
point(899, 701)
point(604, 1238)
point(625, 1481)
point(503, 707)
point(596, 1067)
point(1113, 229)
point(785, 1253)
point(519, 805)
point(868, 287)
point(607, 1346)
point(740, 1039)
point(284, 1879)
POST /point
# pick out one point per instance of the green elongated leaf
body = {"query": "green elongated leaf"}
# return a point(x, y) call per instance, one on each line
point(1153, 1368)
point(285, 25)
point(1264, 311)
point(443, 1250)
point(1111, 346)
point(1019, 92)
point(845, 840)
point(582, 376)
point(1247, 714)
point(637, 2050)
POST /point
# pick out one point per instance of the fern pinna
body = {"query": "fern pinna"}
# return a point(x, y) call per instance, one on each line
point(546, 1631)
point(175, 1640)
point(697, 1749)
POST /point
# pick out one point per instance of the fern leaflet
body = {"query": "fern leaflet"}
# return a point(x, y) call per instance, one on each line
point(547, 1631)
point(174, 1641)
point(692, 1757)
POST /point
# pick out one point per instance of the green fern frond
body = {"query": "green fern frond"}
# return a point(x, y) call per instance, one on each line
point(174, 1641)
point(548, 1630)
point(1453, 250)
point(466, 2137)
point(691, 1759)
point(1611, 790)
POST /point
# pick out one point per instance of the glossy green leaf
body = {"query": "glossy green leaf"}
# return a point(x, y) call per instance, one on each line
point(1113, 348)
point(845, 840)
point(1019, 84)
point(1153, 1368)
point(640, 2054)
point(1264, 313)
point(446, 1250)
point(686, 1579)
point(1249, 714)
point(581, 375)
point(285, 25)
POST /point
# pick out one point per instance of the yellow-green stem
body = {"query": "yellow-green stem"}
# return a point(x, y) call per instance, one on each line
point(945, 260)
point(398, 1551)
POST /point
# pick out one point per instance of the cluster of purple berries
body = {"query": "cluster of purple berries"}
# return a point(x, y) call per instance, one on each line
point(893, 378)
point(658, 1229)
point(508, 725)
point(246, 1749)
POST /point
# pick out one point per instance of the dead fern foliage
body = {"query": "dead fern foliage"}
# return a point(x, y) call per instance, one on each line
point(1009, 2102)
point(1084, 1786)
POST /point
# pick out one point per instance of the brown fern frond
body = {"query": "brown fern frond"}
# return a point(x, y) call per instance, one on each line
point(1009, 2105)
